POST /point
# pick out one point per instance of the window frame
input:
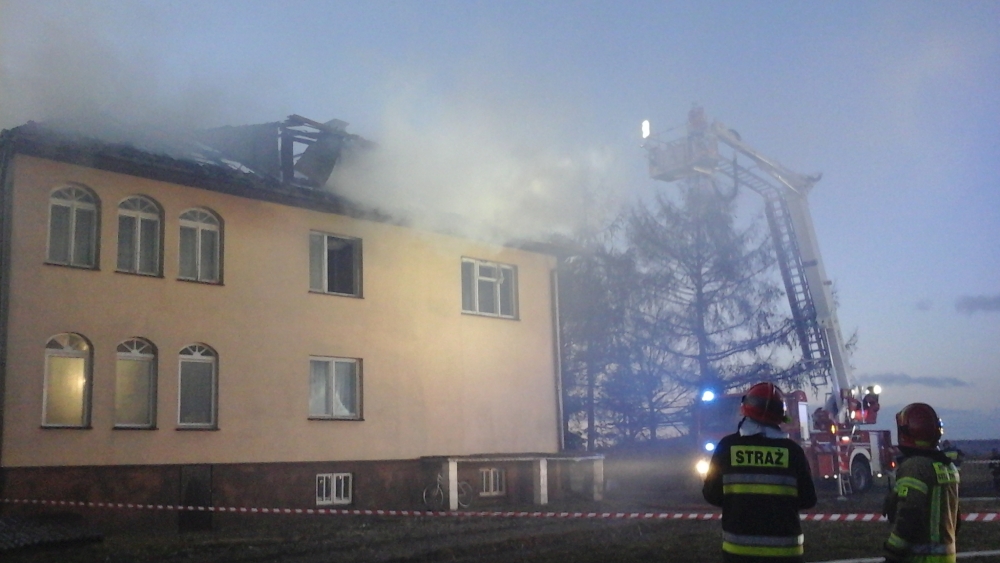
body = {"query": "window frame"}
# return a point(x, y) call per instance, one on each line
point(330, 385)
point(331, 489)
point(324, 285)
point(74, 346)
point(198, 353)
point(140, 208)
point(473, 278)
point(138, 350)
point(75, 198)
point(201, 220)
point(492, 482)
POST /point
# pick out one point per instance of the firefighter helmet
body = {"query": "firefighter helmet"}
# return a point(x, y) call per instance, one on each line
point(764, 403)
point(918, 426)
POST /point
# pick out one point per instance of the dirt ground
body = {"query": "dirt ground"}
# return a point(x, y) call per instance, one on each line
point(489, 539)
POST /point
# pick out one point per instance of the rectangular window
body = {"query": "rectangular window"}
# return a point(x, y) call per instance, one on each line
point(142, 255)
point(334, 388)
point(489, 288)
point(189, 261)
point(493, 482)
point(126, 243)
point(59, 237)
point(197, 394)
point(334, 264)
point(66, 391)
point(149, 246)
point(83, 243)
point(334, 488)
point(134, 393)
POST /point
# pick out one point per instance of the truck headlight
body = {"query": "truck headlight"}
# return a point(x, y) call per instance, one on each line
point(701, 467)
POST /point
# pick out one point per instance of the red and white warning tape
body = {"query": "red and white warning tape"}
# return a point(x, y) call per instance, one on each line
point(860, 517)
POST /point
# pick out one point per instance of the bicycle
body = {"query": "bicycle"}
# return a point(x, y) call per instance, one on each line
point(434, 494)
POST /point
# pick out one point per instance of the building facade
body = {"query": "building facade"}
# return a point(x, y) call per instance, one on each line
point(187, 333)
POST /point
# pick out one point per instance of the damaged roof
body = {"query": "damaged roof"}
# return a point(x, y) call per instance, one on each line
point(285, 162)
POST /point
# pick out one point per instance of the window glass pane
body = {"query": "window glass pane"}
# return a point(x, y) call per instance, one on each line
point(316, 255)
point(340, 262)
point(507, 284)
point(196, 392)
point(126, 243)
point(83, 242)
point(65, 391)
point(345, 403)
point(149, 246)
point(133, 392)
point(209, 255)
point(468, 286)
point(189, 246)
point(487, 296)
point(59, 235)
point(318, 387)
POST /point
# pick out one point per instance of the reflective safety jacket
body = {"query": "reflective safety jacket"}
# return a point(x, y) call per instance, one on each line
point(761, 484)
point(923, 509)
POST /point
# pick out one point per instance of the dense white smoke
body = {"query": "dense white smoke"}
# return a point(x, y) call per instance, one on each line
point(491, 154)
point(481, 170)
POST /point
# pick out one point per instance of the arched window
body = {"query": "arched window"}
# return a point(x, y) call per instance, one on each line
point(66, 395)
point(198, 387)
point(135, 384)
point(201, 241)
point(73, 214)
point(139, 236)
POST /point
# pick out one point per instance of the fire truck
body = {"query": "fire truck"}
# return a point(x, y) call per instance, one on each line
point(840, 448)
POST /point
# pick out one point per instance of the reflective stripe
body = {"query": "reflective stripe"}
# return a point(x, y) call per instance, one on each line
point(896, 541)
point(923, 552)
point(759, 478)
point(933, 558)
point(905, 483)
point(763, 541)
point(935, 526)
point(748, 489)
point(759, 551)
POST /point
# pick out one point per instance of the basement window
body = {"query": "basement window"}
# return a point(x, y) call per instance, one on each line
point(493, 482)
point(334, 488)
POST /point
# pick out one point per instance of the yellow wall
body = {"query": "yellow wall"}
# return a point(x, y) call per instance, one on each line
point(436, 381)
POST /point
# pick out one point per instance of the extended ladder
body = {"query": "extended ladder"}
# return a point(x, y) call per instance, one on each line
point(812, 339)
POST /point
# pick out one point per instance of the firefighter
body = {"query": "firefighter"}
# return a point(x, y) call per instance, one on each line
point(923, 506)
point(761, 480)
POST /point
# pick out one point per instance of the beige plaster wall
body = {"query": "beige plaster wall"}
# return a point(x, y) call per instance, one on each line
point(436, 381)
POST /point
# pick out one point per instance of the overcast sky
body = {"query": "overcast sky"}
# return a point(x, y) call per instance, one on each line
point(527, 113)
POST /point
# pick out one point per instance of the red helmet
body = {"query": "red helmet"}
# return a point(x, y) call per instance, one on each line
point(919, 426)
point(764, 403)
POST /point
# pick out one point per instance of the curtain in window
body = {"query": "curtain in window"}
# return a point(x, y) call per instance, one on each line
point(65, 391)
point(133, 389)
point(319, 381)
point(346, 390)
